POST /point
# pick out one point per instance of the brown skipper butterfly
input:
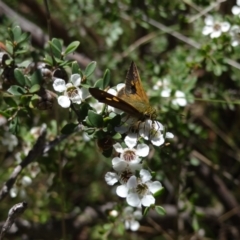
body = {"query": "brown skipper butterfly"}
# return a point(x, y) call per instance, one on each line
point(131, 99)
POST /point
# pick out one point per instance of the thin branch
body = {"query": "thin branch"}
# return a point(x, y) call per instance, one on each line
point(35, 152)
point(205, 10)
point(220, 189)
point(38, 36)
point(183, 38)
point(13, 213)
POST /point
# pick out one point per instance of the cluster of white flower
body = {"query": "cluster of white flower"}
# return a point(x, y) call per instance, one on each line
point(71, 91)
point(215, 28)
point(135, 182)
point(179, 97)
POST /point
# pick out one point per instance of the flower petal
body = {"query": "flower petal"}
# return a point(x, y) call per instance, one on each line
point(169, 135)
point(154, 186)
point(75, 79)
point(142, 150)
point(216, 34)
point(145, 175)
point(122, 191)
point(147, 200)
point(111, 178)
point(235, 10)
point(59, 85)
point(133, 199)
point(118, 148)
point(131, 140)
point(64, 101)
point(134, 225)
point(132, 182)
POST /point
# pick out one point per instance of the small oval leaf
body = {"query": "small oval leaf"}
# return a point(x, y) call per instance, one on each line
point(16, 90)
point(90, 69)
point(71, 47)
point(19, 76)
point(95, 119)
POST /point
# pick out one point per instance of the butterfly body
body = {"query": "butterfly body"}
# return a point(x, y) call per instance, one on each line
point(131, 99)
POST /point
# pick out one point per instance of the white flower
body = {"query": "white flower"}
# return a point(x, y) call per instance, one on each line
point(3, 120)
point(111, 178)
point(20, 187)
point(214, 28)
point(71, 91)
point(141, 190)
point(34, 169)
point(235, 35)
point(236, 8)
point(152, 130)
point(9, 140)
point(179, 97)
point(113, 213)
point(98, 106)
point(129, 158)
point(130, 218)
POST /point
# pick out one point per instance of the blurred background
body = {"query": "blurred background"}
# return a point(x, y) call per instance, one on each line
point(187, 54)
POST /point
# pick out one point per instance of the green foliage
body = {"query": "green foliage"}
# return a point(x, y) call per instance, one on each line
point(165, 40)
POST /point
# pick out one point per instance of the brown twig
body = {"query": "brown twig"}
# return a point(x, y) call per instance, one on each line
point(35, 152)
point(13, 213)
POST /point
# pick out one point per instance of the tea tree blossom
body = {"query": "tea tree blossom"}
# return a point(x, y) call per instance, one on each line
point(9, 140)
point(179, 97)
point(236, 8)
point(129, 157)
point(71, 91)
point(153, 131)
point(131, 217)
point(141, 189)
point(235, 35)
point(214, 28)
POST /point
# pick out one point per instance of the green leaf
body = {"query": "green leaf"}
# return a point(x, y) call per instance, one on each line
point(9, 47)
point(90, 69)
point(160, 210)
point(17, 32)
point(158, 193)
point(23, 38)
point(145, 211)
point(5, 114)
point(35, 88)
point(57, 43)
point(36, 78)
point(48, 60)
point(14, 126)
point(75, 68)
point(28, 81)
point(117, 136)
point(19, 76)
point(16, 90)
point(83, 111)
point(106, 79)
point(69, 128)
point(71, 47)
point(99, 83)
point(10, 101)
point(10, 33)
point(95, 119)
point(56, 49)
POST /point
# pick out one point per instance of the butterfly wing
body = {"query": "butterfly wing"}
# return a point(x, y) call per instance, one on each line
point(114, 101)
point(133, 87)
